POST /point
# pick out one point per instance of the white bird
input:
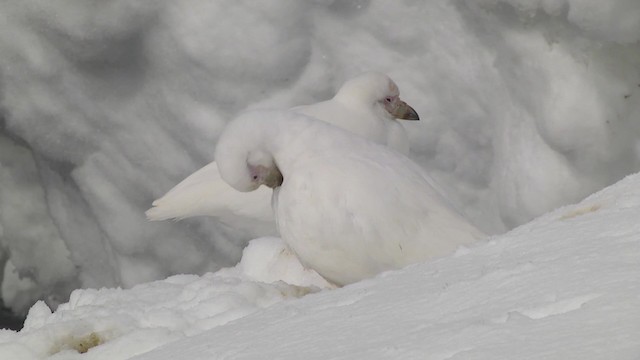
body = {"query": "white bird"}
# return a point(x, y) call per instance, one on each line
point(349, 208)
point(367, 105)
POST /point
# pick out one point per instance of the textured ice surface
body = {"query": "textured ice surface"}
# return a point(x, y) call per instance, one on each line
point(525, 106)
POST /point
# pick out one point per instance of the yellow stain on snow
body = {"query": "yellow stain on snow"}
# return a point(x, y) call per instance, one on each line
point(81, 344)
point(581, 211)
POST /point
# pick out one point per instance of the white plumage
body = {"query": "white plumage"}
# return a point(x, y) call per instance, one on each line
point(349, 208)
point(367, 105)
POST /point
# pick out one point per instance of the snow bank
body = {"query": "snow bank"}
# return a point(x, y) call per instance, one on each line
point(128, 322)
point(526, 106)
point(615, 21)
point(564, 286)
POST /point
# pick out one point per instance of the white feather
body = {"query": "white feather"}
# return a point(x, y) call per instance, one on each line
point(349, 208)
point(355, 108)
point(204, 193)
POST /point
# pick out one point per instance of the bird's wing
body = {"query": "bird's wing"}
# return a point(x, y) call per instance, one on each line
point(204, 193)
point(372, 211)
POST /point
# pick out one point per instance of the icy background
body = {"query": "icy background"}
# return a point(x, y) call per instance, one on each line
point(526, 105)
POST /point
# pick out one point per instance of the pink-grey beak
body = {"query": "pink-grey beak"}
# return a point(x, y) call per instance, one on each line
point(404, 112)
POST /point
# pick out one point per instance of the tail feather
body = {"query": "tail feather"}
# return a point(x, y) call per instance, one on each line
point(204, 193)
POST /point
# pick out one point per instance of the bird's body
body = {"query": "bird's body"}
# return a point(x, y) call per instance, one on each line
point(367, 105)
point(349, 208)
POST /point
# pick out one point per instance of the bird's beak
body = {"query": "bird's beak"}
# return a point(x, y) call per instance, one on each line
point(404, 112)
point(274, 178)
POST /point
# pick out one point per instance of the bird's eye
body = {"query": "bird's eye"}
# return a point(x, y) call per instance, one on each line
point(255, 177)
point(388, 99)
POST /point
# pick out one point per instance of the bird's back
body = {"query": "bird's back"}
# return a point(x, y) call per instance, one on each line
point(360, 209)
point(359, 120)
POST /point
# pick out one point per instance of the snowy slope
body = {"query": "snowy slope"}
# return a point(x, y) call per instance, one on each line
point(105, 105)
point(564, 286)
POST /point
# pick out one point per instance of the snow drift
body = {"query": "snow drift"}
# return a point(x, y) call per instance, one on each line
point(525, 106)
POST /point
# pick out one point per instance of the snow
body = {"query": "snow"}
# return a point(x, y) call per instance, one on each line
point(615, 21)
point(104, 106)
point(563, 286)
point(129, 322)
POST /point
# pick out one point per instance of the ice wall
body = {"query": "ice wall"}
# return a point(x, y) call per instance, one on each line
point(525, 106)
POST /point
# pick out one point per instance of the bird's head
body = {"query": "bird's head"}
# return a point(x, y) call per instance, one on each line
point(379, 90)
point(263, 170)
point(244, 157)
